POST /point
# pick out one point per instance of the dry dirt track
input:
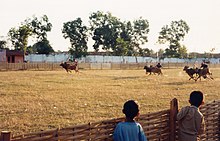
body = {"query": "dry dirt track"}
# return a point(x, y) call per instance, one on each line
point(35, 100)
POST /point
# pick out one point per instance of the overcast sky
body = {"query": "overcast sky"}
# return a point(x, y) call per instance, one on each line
point(202, 16)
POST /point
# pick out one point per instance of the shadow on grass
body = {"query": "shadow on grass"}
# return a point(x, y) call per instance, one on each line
point(180, 83)
point(129, 77)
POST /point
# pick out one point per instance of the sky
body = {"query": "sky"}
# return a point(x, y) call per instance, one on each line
point(202, 16)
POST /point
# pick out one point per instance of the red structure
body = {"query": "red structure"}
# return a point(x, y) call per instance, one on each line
point(11, 56)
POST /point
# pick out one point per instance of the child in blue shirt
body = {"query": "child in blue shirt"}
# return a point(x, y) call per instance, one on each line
point(130, 130)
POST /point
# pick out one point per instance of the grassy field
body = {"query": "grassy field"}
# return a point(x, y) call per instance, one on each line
point(38, 100)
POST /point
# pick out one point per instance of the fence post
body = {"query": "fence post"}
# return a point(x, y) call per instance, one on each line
point(218, 125)
point(173, 113)
point(5, 136)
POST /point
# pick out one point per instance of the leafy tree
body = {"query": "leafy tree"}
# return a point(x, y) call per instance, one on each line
point(160, 54)
point(126, 35)
point(77, 34)
point(111, 34)
point(30, 50)
point(139, 32)
point(126, 31)
point(42, 47)
point(173, 34)
point(19, 37)
point(182, 51)
point(136, 34)
point(121, 47)
point(105, 30)
point(145, 52)
point(2, 44)
point(139, 36)
point(30, 27)
point(40, 27)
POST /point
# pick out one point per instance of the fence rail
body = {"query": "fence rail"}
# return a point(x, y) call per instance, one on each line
point(158, 126)
point(101, 66)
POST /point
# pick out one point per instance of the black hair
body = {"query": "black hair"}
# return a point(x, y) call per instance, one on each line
point(196, 98)
point(131, 109)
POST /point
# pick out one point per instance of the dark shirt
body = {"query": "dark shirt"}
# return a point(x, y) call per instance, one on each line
point(204, 66)
point(158, 66)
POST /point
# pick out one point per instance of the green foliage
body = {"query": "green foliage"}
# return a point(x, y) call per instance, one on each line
point(77, 34)
point(140, 31)
point(19, 37)
point(105, 30)
point(182, 51)
point(43, 47)
point(110, 33)
point(121, 47)
point(145, 52)
point(2, 44)
point(173, 34)
point(160, 54)
point(40, 27)
point(139, 35)
point(30, 27)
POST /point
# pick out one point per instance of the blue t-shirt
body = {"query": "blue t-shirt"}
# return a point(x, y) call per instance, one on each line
point(129, 131)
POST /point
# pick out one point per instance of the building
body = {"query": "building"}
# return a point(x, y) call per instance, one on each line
point(3, 55)
point(11, 56)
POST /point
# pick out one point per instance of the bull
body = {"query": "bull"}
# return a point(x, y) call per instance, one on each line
point(69, 67)
point(152, 69)
point(192, 72)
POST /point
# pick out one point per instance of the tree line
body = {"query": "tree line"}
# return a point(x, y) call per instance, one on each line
point(109, 33)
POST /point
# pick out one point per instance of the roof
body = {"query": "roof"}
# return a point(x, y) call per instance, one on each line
point(14, 52)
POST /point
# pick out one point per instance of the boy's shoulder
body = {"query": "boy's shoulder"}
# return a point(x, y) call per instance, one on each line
point(128, 124)
point(185, 108)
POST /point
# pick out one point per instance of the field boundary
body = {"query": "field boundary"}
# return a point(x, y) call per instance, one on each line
point(161, 125)
point(90, 66)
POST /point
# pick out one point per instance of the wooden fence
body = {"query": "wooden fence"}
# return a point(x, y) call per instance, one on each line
point(158, 126)
point(56, 66)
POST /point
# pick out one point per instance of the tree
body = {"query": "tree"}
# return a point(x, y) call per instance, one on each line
point(182, 51)
point(136, 34)
point(111, 34)
point(160, 54)
point(121, 47)
point(30, 27)
point(42, 47)
point(40, 27)
point(145, 52)
point(77, 34)
point(173, 34)
point(105, 30)
point(2, 44)
point(19, 37)
point(139, 36)
point(126, 35)
point(139, 33)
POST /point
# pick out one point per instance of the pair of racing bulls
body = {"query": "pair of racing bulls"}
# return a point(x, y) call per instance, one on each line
point(194, 73)
point(154, 70)
point(198, 73)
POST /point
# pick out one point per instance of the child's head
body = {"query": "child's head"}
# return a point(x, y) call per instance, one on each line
point(131, 109)
point(196, 98)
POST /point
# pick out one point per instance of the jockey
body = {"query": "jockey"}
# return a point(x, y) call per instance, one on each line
point(204, 65)
point(158, 65)
point(75, 62)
